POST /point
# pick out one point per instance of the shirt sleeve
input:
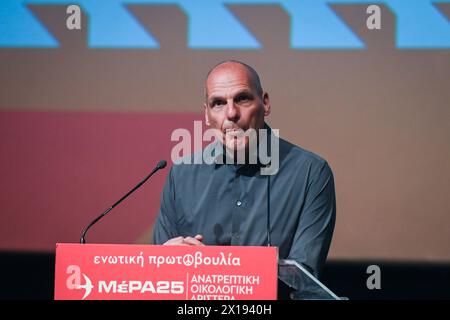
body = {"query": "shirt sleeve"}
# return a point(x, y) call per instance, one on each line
point(165, 226)
point(317, 219)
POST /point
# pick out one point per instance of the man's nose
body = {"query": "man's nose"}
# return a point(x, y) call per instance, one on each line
point(232, 111)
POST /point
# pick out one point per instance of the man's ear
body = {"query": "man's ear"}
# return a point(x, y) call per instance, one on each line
point(266, 104)
point(206, 114)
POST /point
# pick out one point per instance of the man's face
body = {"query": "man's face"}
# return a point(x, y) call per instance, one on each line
point(233, 105)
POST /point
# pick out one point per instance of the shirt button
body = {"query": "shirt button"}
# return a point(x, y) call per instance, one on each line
point(238, 203)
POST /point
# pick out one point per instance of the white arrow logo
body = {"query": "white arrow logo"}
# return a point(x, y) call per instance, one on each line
point(87, 286)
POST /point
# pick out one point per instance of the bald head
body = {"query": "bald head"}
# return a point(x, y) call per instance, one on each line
point(235, 65)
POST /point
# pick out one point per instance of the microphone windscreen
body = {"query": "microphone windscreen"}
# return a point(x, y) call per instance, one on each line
point(161, 164)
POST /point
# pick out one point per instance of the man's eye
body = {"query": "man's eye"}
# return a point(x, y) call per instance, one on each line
point(217, 103)
point(243, 99)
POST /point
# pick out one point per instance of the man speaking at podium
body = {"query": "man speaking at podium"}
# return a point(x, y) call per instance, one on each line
point(224, 202)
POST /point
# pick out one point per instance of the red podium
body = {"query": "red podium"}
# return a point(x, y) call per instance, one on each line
point(152, 272)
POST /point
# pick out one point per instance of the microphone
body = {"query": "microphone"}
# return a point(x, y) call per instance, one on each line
point(269, 241)
point(161, 164)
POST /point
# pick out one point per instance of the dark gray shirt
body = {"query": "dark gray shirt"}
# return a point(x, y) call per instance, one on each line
point(228, 205)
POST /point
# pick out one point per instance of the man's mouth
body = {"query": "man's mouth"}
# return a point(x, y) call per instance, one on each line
point(234, 132)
